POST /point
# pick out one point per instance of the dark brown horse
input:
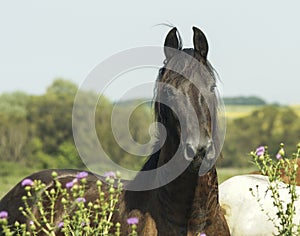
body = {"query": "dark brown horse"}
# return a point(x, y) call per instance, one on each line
point(187, 203)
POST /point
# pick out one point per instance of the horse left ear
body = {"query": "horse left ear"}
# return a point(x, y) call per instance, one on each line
point(200, 42)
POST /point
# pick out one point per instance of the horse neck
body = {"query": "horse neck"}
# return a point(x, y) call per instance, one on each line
point(205, 206)
point(190, 198)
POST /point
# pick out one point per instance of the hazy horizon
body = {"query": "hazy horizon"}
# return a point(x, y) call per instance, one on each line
point(144, 98)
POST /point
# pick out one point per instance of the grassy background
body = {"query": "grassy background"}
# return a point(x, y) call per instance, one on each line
point(11, 174)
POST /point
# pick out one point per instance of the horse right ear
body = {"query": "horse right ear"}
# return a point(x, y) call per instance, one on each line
point(171, 42)
point(200, 42)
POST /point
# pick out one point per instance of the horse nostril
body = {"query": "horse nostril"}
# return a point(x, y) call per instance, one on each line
point(189, 152)
point(202, 151)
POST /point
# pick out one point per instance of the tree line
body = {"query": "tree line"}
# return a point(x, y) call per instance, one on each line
point(244, 101)
point(36, 130)
point(267, 126)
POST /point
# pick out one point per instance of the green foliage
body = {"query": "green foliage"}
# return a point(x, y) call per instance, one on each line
point(37, 130)
point(270, 124)
point(51, 118)
point(139, 123)
point(62, 87)
point(14, 104)
point(14, 130)
point(275, 170)
point(14, 135)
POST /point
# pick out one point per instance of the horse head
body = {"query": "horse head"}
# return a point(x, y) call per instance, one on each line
point(186, 101)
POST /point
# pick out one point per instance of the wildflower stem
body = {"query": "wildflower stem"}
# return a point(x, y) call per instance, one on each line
point(275, 170)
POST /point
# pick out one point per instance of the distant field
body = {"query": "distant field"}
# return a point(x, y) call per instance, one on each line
point(296, 109)
point(236, 111)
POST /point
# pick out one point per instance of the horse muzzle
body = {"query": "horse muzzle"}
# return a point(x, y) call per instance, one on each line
point(197, 156)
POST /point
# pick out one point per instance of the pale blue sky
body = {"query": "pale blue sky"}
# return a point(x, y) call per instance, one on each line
point(254, 45)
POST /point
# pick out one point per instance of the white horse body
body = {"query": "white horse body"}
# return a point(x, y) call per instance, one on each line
point(243, 213)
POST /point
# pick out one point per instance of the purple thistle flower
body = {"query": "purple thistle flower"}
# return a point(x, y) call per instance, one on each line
point(27, 182)
point(202, 234)
point(110, 174)
point(260, 151)
point(278, 156)
point(81, 199)
point(71, 183)
point(3, 214)
point(60, 225)
point(82, 175)
point(132, 221)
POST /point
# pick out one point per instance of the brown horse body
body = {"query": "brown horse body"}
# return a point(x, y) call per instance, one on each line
point(188, 204)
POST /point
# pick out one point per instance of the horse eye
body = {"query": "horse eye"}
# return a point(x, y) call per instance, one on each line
point(212, 88)
point(169, 91)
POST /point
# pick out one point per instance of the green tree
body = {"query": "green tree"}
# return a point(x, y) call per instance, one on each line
point(14, 104)
point(13, 137)
point(62, 87)
point(268, 125)
point(252, 100)
point(51, 115)
point(13, 126)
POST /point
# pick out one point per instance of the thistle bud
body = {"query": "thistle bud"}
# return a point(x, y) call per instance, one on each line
point(52, 191)
point(281, 152)
point(111, 190)
point(99, 183)
point(64, 201)
point(54, 174)
point(261, 157)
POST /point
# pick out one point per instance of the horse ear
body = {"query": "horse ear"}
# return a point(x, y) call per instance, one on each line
point(200, 42)
point(171, 41)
